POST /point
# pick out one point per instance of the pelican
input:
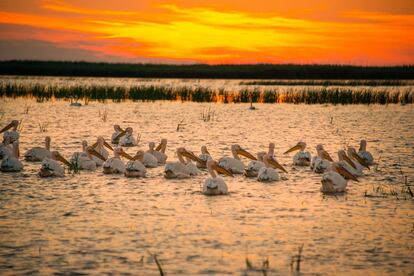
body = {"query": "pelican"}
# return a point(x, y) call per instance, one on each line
point(39, 153)
point(50, 166)
point(128, 140)
point(215, 185)
point(12, 162)
point(334, 180)
point(115, 165)
point(253, 168)
point(320, 163)
point(182, 168)
point(159, 152)
point(348, 164)
point(302, 158)
point(99, 147)
point(366, 155)
point(149, 160)
point(268, 171)
point(359, 162)
point(204, 156)
point(83, 160)
point(117, 134)
point(14, 134)
point(135, 167)
point(6, 149)
point(234, 164)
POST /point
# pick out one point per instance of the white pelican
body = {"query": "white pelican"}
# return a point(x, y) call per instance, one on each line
point(39, 153)
point(6, 149)
point(366, 155)
point(348, 164)
point(215, 185)
point(204, 156)
point(359, 162)
point(13, 134)
point(302, 158)
point(234, 164)
point(128, 140)
point(268, 172)
point(182, 168)
point(134, 167)
point(83, 160)
point(159, 152)
point(99, 146)
point(320, 163)
point(51, 167)
point(253, 168)
point(12, 162)
point(334, 180)
point(117, 134)
point(149, 160)
point(115, 165)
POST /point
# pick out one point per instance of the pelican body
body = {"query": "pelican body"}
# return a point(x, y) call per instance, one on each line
point(234, 164)
point(13, 134)
point(38, 153)
point(135, 167)
point(159, 152)
point(50, 167)
point(84, 160)
point(128, 139)
point(99, 146)
point(268, 172)
point(321, 162)
point(117, 134)
point(6, 149)
point(364, 154)
point(215, 185)
point(334, 180)
point(301, 158)
point(254, 166)
point(12, 163)
point(182, 168)
point(348, 164)
point(204, 156)
point(115, 165)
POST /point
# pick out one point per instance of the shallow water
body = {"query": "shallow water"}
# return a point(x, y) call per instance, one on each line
point(95, 223)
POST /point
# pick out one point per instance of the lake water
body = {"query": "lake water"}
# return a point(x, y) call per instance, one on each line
point(96, 223)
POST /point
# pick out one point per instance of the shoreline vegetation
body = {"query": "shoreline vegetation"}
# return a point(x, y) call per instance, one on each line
point(204, 71)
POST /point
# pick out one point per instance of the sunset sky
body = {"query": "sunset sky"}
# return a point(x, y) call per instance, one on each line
point(363, 32)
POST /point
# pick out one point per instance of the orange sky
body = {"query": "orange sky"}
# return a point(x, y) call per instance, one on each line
point(365, 32)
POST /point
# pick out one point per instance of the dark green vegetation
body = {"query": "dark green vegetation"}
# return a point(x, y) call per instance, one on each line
point(258, 71)
point(330, 82)
point(309, 95)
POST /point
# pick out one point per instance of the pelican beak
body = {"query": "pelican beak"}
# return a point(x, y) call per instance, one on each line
point(246, 154)
point(108, 146)
point(349, 161)
point(276, 164)
point(93, 152)
point(360, 160)
point(297, 147)
point(126, 155)
point(158, 148)
point(346, 174)
point(9, 126)
point(192, 157)
point(222, 170)
point(326, 156)
point(208, 152)
point(63, 160)
point(94, 145)
point(122, 133)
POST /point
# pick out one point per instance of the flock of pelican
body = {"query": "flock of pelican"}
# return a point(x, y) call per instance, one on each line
point(263, 166)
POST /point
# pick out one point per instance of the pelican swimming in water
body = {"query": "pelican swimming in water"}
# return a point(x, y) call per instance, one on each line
point(358, 161)
point(13, 134)
point(115, 165)
point(12, 163)
point(99, 146)
point(204, 156)
point(321, 162)
point(149, 160)
point(254, 166)
point(182, 168)
point(366, 155)
point(51, 167)
point(159, 152)
point(348, 164)
point(302, 158)
point(39, 153)
point(268, 172)
point(135, 167)
point(6, 148)
point(128, 140)
point(215, 185)
point(83, 160)
point(334, 180)
point(117, 134)
point(234, 164)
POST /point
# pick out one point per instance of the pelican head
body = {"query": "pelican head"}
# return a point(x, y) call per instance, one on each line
point(129, 130)
point(84, 145)
point(343, 157)
point(118, 151)
point(139, 156)
point(58, 157)
point(188, 154)
point(162, 144)
point(13, 124)
point(101, 142)
point(239, 150)
point(213, 165)
point(93, 152)
point(363, 145)
point(336, 167)
point(299, 146)
point(260, 156)
point(204, 150)
point(117, 128)
point(151, 146)
point(269, 160)
point(353, 154)
point(319, 147)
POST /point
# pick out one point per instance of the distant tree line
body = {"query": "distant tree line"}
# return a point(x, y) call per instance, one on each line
point(235, 71)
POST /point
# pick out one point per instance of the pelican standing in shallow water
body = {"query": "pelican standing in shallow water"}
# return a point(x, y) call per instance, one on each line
point(364, 154)
point(117, 134)
point(135, 167)
point(215, 185)
point(83, 160)
point(321, 162)
point(159, 152)
point(39, 153)
point(6, 148)
point(99, 146)
point(128, 139)
point(115, 165)
point(334, 180)
point(13, 134)
point(268, 172)
point(204, 156)
point(234, 164)
point(51, 167)
point(182, 168)
point(302, 158)
point(12, 163)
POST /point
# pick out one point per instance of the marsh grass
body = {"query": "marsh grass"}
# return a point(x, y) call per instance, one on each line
point(297, 259)
point(208, 115)
point(263, 266)
point(43, 127)
point(158, 263)
point(103, 115)
point(329, 82)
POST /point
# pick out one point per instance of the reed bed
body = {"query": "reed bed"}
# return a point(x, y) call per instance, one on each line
point(296, 95)
point(330, 82)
